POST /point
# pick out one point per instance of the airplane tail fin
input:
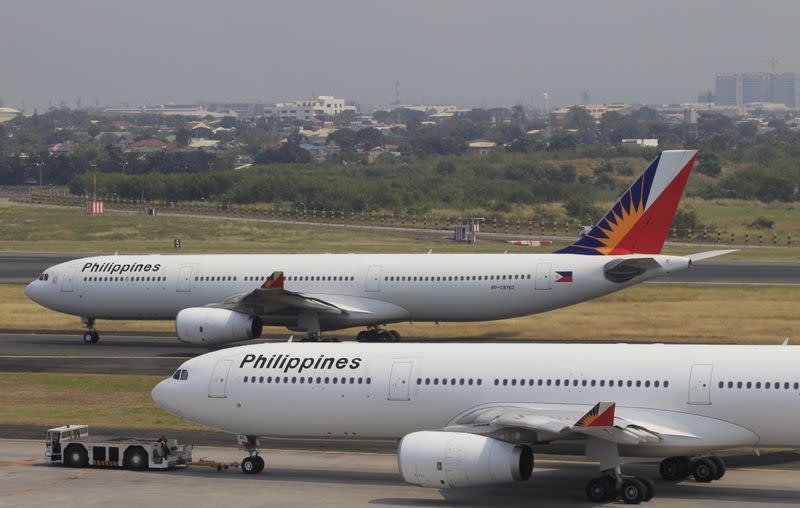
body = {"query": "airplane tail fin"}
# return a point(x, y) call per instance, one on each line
point(601, 415)
point(274, 281)
point(639, 221)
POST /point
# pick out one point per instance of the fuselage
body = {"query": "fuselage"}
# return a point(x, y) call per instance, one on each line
point(726, 396)
point(388, 287)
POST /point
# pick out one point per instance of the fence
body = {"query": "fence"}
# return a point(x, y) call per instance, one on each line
point(408, 219)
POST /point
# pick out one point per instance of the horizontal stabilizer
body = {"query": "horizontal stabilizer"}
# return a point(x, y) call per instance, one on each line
point(709, 254)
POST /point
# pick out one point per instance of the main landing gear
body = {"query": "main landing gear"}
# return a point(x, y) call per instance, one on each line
point(90, 336)
point(253, 463)
point(703, 469)
point(375, 334)
point(612, 484)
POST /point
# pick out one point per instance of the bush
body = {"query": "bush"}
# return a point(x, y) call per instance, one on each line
point(762, 223)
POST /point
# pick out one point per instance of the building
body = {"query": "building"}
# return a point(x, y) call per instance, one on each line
point(758, 87)
point(189, 110)
point(596, 111)
point(755, 87)
point(306, 110)
point(727, 90)
point(786, 89)
point(7, 114)
point(641, 143)
point(481, 146)
point(149, 146)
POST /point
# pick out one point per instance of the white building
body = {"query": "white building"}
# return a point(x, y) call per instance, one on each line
point(324, 105)
point(644, 143)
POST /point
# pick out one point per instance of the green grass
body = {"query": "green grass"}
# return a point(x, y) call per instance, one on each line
point(50, 400)
point(736, 215)
point(63, 229)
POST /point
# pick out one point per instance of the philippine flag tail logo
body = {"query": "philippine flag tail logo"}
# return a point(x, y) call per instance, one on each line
point(640, 219)
point(601, 415)
point(274, 281)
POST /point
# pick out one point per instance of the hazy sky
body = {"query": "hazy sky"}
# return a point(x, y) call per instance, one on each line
point(478, 53)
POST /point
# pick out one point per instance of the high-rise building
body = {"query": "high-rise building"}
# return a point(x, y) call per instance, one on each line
point(728, 92)
point(753, 87)
point(756, 87)
point(786, 89)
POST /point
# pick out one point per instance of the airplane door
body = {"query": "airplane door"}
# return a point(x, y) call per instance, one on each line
point(374, 278)
point(700, 384)
point(218, 387)
point(185, 279)
point(543, 276)
point(67, 283)
point(399, 381)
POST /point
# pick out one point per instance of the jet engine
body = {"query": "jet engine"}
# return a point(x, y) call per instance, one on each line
point(206, 325)
point(456, 459)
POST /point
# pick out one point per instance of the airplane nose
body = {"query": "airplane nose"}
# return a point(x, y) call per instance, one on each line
point(159, 394)
point(167, 396)
point(32, 289)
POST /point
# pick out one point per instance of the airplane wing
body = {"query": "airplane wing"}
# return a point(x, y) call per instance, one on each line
point(272, 298)
point(625, 426)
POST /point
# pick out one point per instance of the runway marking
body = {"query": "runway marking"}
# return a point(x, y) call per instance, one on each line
point(81, 357)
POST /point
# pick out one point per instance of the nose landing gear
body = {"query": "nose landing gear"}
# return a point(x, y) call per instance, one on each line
point(91, 336)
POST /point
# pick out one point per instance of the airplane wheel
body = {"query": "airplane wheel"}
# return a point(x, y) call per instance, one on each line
point(650, 486)
point(363, 336)
point(395, 335)
point(260, 463)
point(249, 465)
point(633, 491)
point(91, 337)
point(721, 469)
point(703, 469)
point(674, 469)
point(600, 490)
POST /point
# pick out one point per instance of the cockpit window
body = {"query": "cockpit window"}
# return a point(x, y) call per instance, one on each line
point(44, 276)
point(177, 374)
point(181, 375)
point(184, 375)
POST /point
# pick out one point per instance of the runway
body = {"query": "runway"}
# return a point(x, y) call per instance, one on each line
point(313, 478)
point(24, 267)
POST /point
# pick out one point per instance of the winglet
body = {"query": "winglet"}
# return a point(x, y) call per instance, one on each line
point(601, 415)
point(274, 281)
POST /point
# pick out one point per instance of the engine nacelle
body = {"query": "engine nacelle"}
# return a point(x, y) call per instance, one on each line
point(455, 459)
point(206, 325)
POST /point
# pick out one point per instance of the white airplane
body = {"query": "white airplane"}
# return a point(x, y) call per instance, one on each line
point(468, 415)
point(216, 298)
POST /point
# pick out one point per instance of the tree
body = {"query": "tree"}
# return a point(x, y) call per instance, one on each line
point(287, 153)
point(369, 138)
point(578, 118)
point(709, 163)
point(345, 138)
